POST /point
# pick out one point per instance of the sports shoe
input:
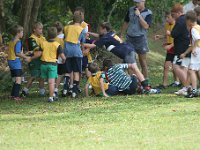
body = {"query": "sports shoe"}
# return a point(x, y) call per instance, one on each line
point(79, 90)
point(147, 90)
point(74, 95)
point(70, 91)
point(23, 94)
point(50, 100)
point(175, 85)
point(192, 93)
point(154, 91)
point(181, 92)
point(55, 98)
point(64, 93)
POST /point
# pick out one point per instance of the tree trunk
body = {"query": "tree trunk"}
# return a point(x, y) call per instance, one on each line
point(34, 13)
point(26, 15)
point(2, 15)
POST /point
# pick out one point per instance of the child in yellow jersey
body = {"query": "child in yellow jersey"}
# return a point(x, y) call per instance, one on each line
point(74, 37)
point(98, 82)
point(33, 45)
point(50, 50)
point(14, 62)
point(169, 47)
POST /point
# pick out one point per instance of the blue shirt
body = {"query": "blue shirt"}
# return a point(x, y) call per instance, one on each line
point(119, 49)
point(74, 50)
point(16, 64)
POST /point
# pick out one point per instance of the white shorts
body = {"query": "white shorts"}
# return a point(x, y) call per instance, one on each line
point(185, 62)
point(194, 67)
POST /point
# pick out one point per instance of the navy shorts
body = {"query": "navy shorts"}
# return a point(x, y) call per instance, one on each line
point(133, 86)
point(16, 73)
point(170, 57)
point(62, 69)
point(130, 58)
point(112, 90)
point(140, 44)
point(74, 64)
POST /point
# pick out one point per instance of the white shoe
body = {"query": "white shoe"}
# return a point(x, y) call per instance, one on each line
point(74, 95)
point(181, 92)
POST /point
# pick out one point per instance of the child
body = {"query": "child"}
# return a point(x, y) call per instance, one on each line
point(99, 85)
point(74, 36)
point(197, 11)
point(14, 62)
point(194, 67)
point(33, 45)
point(50, 50)
point(61, 66)
point(169, 46)
point(114, 45)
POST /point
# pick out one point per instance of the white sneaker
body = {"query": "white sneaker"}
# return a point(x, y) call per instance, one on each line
point(181, 92)
point(74, 95)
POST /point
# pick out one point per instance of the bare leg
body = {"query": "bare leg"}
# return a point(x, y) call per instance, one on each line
point(143, 63)
point(193, 78)
point(182, 74)
point(51, 87)
point(137, 72)
point(166, 72)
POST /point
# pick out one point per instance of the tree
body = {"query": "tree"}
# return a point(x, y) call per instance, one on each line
point(2, 15)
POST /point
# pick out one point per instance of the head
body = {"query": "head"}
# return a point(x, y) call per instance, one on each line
point(191, 19)
point(104, 28)
point(77, 18)
point(37, 28)
point(81, 11)
point(52, 32)
point(93, 68)
point(140, 4)
point(107, 63)
point(58, 26)
point(177, 11)
point(168, 17)
point(197, 11)
point(17, 31)
point(195, 2)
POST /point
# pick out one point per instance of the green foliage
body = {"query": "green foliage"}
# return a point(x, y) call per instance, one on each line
point(5, 81)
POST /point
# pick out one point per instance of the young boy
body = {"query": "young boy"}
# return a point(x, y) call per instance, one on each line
point(14, 62)
point(33, 44)
point(194, 67)
point(74, 36)
point(124, 51)
point(96, 79)
point(50, 50)
point(169, 47)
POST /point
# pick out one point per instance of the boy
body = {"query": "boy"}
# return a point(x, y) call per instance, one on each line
point(99, 85)
point(111, 41)
point(74, 36)
point(169, 46)
point(33, 44)
point(14, 62)
point(50, 50)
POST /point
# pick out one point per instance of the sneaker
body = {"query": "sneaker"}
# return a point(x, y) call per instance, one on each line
point(74, 95)
point(192, 93)
point(55, 98)
point(64, 93)
point(181, 92)
point(175, 85)
point(23, 94)
point(147, 90)
point(154, 91)
point(70, 91)
point(79, 90)
point(50, 100)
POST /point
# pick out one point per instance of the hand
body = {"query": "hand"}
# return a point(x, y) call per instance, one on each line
point(182, 56)
point(106, 95)
point(168, 33)
point(63, 61)
point(157, 37)
point(28, 59)
point(137, 12)
point(194, 52)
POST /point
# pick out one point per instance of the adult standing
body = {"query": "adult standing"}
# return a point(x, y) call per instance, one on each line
point(190, 6)
point(137, 21)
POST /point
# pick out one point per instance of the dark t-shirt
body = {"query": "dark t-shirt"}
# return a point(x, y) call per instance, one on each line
point(181, 36)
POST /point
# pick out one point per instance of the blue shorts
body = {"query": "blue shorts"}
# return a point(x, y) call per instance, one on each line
point(16, 73)
point(133, 86)
point(74, 64)
point(112, 90)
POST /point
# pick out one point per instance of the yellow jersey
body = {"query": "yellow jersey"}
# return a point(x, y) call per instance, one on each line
point(60, 41)
point(169, 27)
point(94, 81)
point(11, 49)
point(38, 40)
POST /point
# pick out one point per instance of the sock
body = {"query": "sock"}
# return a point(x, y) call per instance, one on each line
point(66, 85)
point(75, 87)
point(13, 90)
point(145, 83)
point(56, 90)
point(17, 89)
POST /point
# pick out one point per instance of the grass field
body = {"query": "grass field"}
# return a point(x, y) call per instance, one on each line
point(162, 121)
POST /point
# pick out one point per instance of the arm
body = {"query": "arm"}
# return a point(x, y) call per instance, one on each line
point(102, 87)
point(96, 35)
point(143, 22)
point(87, 90)
point(189, 50)
point(62, 55)
point(37, 54)
point(90, 46)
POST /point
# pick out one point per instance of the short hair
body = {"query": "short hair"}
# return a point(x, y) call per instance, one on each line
point(36, 25)
point(178, 7)
point(197, 10)
point(52, 32)
point(58, 26)
point(168, 13)
point(16, 29)
point(107, 63)
point(81, 9)
point(77, 18)
point(93, 67)
point(191, 16)
point(106, 25)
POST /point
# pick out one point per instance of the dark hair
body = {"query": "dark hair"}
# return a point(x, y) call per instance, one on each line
point(58, 26)
point(81, 9)
point(107, 26)
point(107, 63)
point(197, 10)
point(93, 67)
point(36, 25)
point(16, 29)
point(191, 16)
point(52, 32)
point(77, 18)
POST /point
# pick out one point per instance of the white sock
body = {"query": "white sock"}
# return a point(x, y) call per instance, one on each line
point(71, 86)
point(56, 90)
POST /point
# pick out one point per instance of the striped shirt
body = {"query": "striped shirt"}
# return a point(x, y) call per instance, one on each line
point(118, 77)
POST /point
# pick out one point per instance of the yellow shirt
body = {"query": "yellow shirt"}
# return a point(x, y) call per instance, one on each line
point(94, 81)
point(60, 41)
point(11, 50)
point(169, 27)
point(49, 51)
point(72, 33)
point(38, 40)
point(84, 25)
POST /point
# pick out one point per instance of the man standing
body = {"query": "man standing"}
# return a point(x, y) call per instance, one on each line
point(137, 21)
point(190, 6)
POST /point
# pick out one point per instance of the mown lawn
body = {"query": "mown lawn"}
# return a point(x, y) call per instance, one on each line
point(162, 121)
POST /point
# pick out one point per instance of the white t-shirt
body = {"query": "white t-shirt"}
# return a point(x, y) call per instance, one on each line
point(188, 7)
point(61, 36)
point(195, 37)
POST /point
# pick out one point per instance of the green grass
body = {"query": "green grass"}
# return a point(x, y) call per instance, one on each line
point(162, 121)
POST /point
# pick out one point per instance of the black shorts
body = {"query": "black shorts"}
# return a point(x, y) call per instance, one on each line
point(74, 64)
point(62, 69)
point(16, 73)
point(170, 57)
point(133, 86)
